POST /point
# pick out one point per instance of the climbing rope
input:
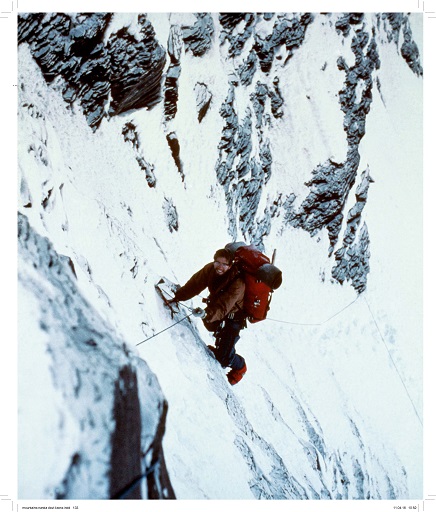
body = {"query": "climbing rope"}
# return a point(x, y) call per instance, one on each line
point(381, 336)
point(315, 324)
point(271, 319)
point(171, 326)
point(318, 323)
point(393, 362)
point(160, 332)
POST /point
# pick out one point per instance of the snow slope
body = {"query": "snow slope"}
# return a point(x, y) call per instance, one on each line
point(331, 405)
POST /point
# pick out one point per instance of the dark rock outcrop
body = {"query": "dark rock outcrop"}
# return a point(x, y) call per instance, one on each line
point(395, 20)
point(258, 98)
point(233, 140)
point(276, 99)
point(171, 87)
point(409, 49)
point(126, 438)
point(248, 194)
point(242, 174)
point(136, 68)
point(127, 474)
point(288, 32)
point(173, 143)
point(345, 23)
point(410, 52)
point(171, 91)
point(244, 146)
point(247, 70)
point(171, 215)
point(266, 159)
point(263, 226)
point(330, 185)
point(332, 181)
point(131, 136)
point(71, 46)
point(229, 21)
point(198, 37)
point(203, 98)
point(353, 256)
point(107, 78)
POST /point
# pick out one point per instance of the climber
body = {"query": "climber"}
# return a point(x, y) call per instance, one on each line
point(223, 314)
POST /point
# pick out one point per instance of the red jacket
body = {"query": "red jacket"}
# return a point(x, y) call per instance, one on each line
point(226, 291)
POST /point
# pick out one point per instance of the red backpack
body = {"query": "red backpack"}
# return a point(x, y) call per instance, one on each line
point(261, 279)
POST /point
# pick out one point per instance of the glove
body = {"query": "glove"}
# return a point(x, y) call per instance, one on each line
point(198, 312)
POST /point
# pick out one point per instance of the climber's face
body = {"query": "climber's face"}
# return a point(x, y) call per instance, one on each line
point(221, 265)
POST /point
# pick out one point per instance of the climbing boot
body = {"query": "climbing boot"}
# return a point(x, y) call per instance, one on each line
point(234, 376)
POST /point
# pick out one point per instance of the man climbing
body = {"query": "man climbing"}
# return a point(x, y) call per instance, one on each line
point(223, 315)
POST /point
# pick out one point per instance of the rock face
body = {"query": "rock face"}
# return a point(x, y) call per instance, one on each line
point(111, 394)
point(242, 174)
point(111, 408)
point(175, 44)
point(198, 37)
point(136, 68)
point(353, 256)
point(173, 143)
point(229, 22)
point(239, 170)
point(126, 72)
point(171, 216)
point(203, 98)
point(106, 78)
point(332, 181)
point(131, 136)
point(409, 49)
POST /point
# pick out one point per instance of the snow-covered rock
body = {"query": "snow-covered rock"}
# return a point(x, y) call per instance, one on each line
point(92, 414)
point(296, 132)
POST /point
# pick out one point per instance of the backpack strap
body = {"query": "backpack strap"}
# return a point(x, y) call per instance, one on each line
point(237, 274)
